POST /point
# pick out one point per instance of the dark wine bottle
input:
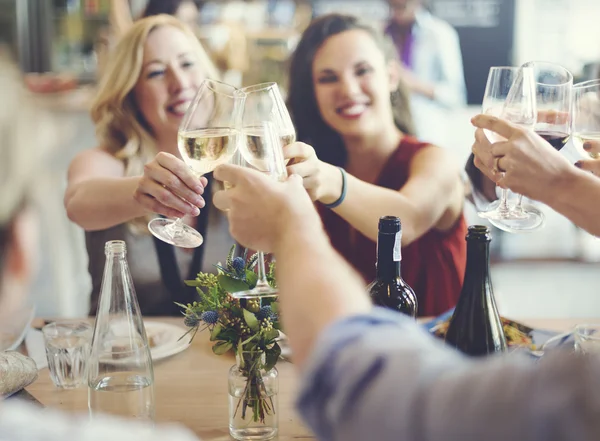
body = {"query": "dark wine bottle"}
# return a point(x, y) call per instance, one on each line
point(388, 289)
point(475, 327)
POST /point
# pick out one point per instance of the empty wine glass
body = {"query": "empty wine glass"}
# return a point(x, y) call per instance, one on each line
point(510, 94)
point(586, 117)
point(260, 149)
point(207, 137)
point(264, 103)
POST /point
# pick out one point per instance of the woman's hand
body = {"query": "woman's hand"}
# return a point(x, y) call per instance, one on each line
point(591, 165)
point(169, 187)
point(304, 163)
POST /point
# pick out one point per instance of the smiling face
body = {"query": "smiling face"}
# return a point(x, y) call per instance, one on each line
point(353, 82)
point(170, 76)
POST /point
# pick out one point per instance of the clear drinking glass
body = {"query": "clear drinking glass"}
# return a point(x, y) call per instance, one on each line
point(510, 94)
point(260, 150)
point(265, 103)
point(67, 349)
point(587, 338)
point(586, 118)
point(207, 138)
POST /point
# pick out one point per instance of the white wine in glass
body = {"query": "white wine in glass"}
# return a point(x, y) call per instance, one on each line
point(586, 117)
point(260, 150)
point(207, 137)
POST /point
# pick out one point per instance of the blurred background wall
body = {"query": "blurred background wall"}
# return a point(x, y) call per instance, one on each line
point(55, 43)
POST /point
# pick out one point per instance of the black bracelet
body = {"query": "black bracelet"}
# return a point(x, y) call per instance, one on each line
point(343, 195)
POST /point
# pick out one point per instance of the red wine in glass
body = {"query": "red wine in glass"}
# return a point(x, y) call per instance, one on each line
point(556, 139)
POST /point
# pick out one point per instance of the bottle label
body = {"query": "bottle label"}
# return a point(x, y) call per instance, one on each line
point(397, 243)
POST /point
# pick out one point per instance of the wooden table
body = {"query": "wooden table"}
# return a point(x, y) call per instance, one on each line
point(191, 388)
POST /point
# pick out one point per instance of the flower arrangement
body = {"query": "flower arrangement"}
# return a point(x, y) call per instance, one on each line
point(248, 327)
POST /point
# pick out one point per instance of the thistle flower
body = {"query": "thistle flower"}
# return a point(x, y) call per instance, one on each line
point(210, 317)
point(238, 265)
point(266, 313)
point(191, 320)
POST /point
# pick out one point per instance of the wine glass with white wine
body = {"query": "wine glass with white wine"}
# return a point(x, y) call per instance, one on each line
point(264, 102)
point(586, 118)
point(207, 137)
point(260, 149)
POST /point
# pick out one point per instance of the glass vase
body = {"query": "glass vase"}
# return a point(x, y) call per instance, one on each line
point(253, 398)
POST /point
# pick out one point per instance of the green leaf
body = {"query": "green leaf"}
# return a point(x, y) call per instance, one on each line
point(251, 278)
point(251, 320)
point(214, 334)
point(253, 261)
point(271, 357)
point(229, 260)
point(221, 347)
point(272, 334)
point(231, 285)
point(275, 307)
point(192, 283)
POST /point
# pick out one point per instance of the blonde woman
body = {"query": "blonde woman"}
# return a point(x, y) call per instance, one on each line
point(135, 170)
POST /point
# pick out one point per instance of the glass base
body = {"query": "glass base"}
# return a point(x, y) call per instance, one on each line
point(258, 292)
point(253, 433)
point(180, 235)
point(532, 220)
point(494, 212)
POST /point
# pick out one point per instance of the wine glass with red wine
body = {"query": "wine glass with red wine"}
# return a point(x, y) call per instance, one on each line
point(554, 85)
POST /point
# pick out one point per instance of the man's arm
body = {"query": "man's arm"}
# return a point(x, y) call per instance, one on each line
point(380, 376)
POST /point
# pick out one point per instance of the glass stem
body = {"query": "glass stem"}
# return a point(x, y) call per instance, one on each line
point(262, 275)
point(503, 207)
point(176, 228)
point(519, 207)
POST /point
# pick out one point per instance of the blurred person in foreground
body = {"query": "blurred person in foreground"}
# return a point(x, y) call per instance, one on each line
point(136, 169)
point(432, 66)
point(526, 164)
point(21, 158)
point(347, 101)
point(370, 373)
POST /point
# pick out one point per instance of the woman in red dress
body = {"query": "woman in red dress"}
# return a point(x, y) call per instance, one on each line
point(343, 91)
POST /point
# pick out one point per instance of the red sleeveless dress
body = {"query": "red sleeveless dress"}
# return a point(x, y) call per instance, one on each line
point(433, 265)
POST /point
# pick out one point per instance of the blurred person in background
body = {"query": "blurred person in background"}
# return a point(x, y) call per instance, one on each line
point(348, 102)
point(225, 42)
point(432, 66)
point(136, 169)
point(373, 374)
point(22, 157)
point(526, 164)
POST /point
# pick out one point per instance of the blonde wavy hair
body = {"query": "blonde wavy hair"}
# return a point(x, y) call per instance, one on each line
point(120, 127)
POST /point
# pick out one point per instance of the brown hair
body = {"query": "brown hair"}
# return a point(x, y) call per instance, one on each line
point(302, 103)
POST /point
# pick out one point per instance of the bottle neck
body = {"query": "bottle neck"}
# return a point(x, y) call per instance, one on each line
point(478, 263)
point(388, 256)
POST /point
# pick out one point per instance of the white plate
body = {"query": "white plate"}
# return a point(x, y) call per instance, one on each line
point(164, 339)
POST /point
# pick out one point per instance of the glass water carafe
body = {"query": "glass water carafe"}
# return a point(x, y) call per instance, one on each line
point(120, 374)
